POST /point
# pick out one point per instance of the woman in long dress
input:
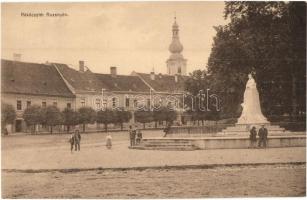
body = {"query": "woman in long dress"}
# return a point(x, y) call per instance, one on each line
point(109, 141)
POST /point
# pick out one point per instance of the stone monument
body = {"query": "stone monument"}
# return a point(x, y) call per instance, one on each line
point(251, 113)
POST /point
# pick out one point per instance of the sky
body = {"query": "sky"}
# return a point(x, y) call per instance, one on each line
point(128, 35)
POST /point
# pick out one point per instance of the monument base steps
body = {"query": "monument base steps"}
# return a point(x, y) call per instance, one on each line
point(205, 143)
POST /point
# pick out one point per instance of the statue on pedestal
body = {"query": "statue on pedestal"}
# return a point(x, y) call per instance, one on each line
point(251, 113)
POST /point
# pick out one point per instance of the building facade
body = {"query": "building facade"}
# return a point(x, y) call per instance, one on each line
point(25, 84)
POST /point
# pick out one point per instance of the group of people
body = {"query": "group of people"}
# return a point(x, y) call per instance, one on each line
point(263, 137)
point(75, 140)
point(135, 136)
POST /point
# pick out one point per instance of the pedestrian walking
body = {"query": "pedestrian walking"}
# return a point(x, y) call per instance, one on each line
point(253, 137)
point(263, 137)
point(77, 140)
point(109, 141)
point(139, 137)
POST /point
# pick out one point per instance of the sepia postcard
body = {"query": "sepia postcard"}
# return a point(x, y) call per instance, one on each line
point(153, 99)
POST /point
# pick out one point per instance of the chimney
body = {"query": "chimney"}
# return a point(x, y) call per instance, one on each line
point(113, 71)
point(17, 57)
point(81, 65)
point(176, 78)
point(152, 76)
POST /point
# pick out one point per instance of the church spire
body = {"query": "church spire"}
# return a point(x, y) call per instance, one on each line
point(176, 64)
point(175, 46)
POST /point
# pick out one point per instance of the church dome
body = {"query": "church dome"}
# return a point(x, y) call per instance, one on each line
point(175, 46)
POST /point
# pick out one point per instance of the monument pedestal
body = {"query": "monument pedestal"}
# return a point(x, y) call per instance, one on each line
point(243, 129)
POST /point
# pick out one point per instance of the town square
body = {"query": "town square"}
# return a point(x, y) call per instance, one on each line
point(153, 100)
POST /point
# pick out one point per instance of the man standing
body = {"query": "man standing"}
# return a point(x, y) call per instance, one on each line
point(263, 136)
point(253, 137)
point(77, 140)
point(132, 134)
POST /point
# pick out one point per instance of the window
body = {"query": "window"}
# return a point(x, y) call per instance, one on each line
point(148, 103)
point(44, 104)
point(179, 70)
point(176, 104)
point(19, 107)
point(83, 102)
point(113, 102)
point(28, 104)
point(127, 102)
point(104, 103)
point(55, 104)
point(98, 103)
point(68, 105)
point(135, 102)
point(169, 104)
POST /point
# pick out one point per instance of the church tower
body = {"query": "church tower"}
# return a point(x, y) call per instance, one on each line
point(176, 64)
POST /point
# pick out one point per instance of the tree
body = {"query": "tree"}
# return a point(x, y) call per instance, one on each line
point(267, 38)
point(70, 118)
point(106, 117)
point(164, 114)
point(169, 115)
point(33, 116)
point(53, 117)
point(143, 117)
point(87, 115)
point(273, 36)
point(122, 116)
point(8, 115)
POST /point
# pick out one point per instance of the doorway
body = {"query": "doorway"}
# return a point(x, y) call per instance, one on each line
point(18, 126)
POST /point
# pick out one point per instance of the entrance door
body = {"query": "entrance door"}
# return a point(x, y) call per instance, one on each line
point(18, 126)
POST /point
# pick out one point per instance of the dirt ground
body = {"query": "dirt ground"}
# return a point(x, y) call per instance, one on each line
point(40, 166)
point(259, 181)
point(53, 152)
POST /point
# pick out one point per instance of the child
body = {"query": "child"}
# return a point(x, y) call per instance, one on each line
point(109, 141)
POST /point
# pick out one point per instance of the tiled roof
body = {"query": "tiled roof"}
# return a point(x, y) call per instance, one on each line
point(94, 82)
point(80, 81)
point(122, 83)
point(164, 83)
point(32, 78)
